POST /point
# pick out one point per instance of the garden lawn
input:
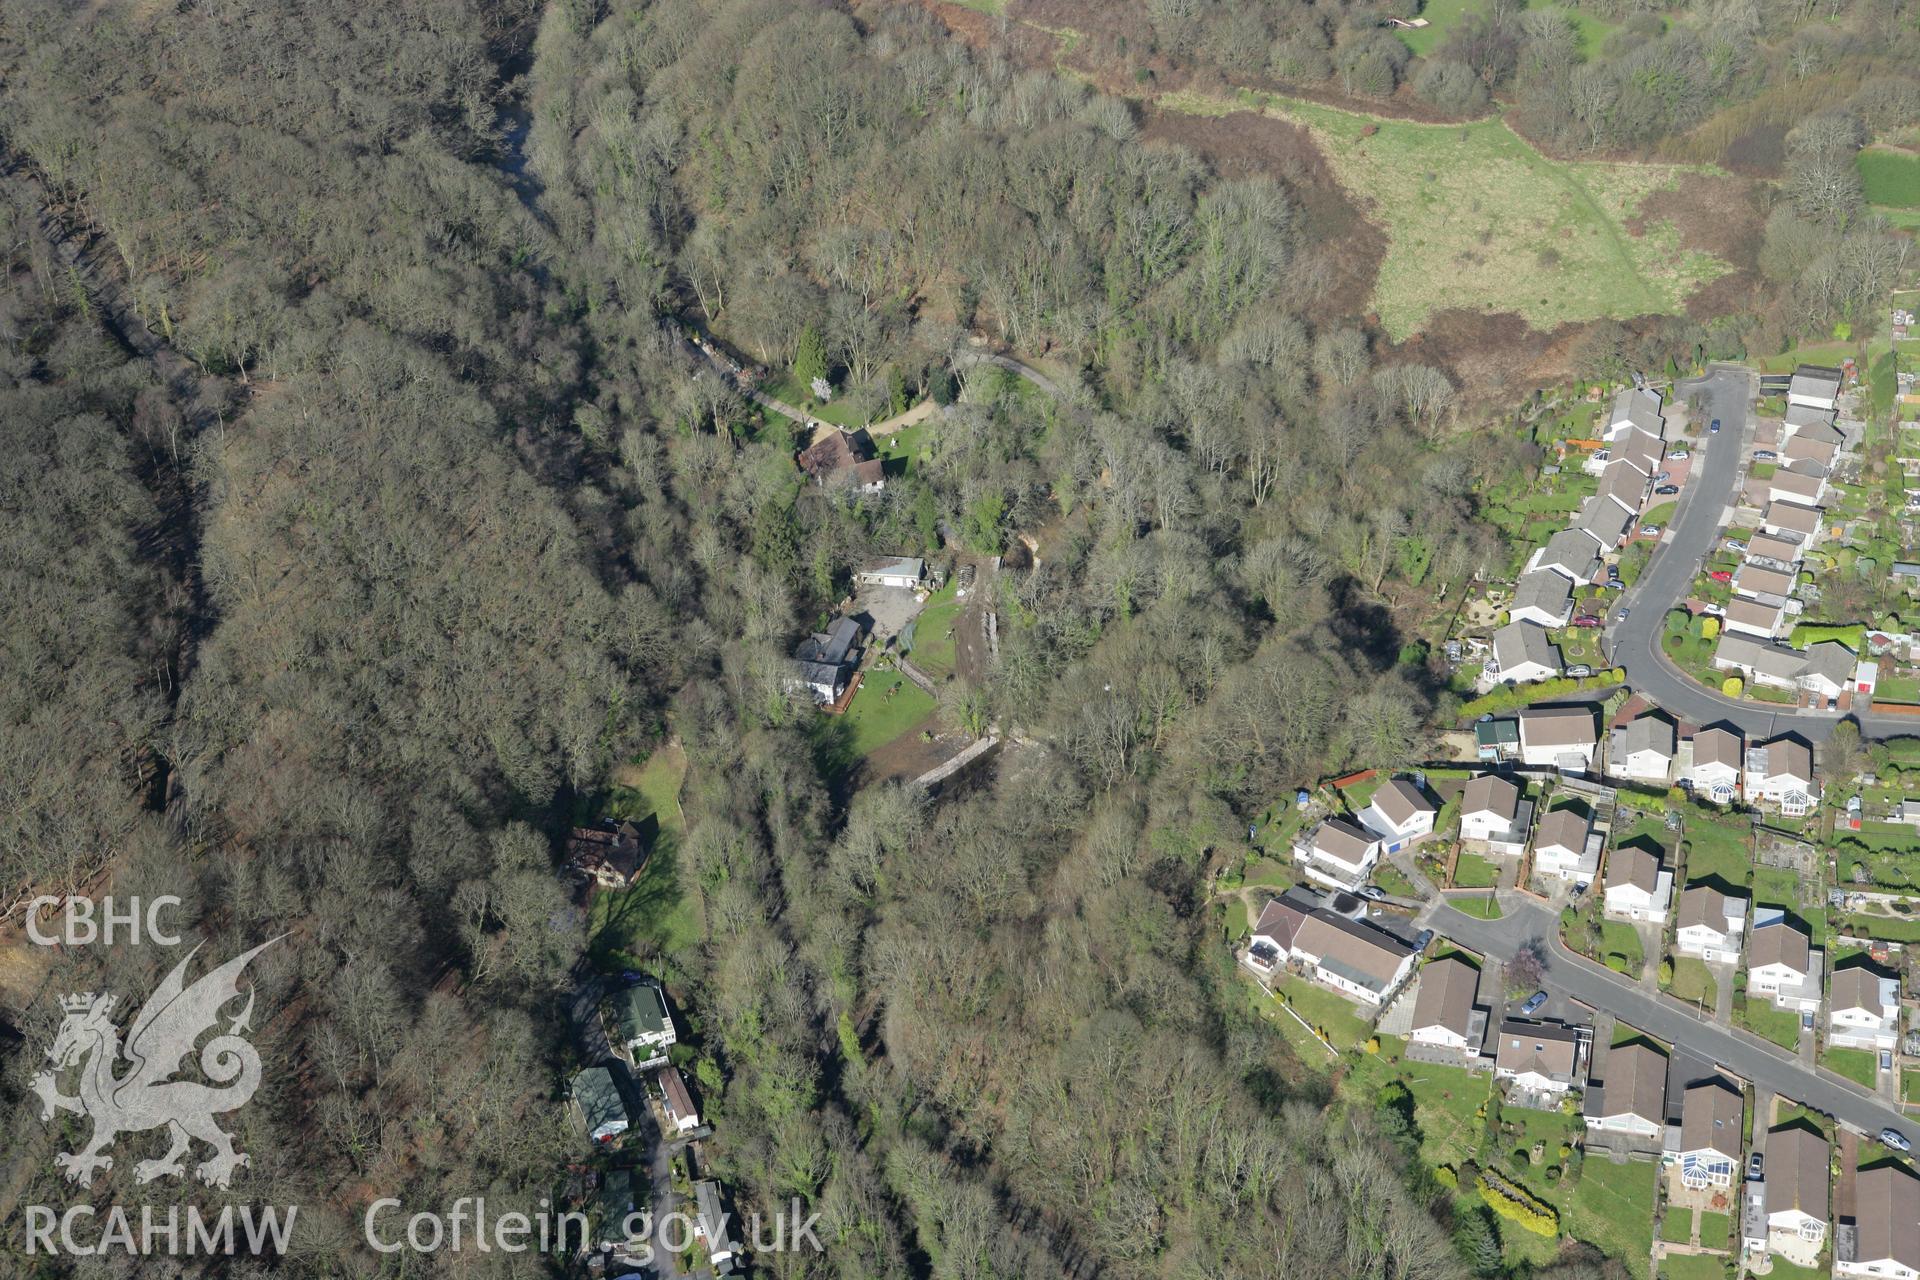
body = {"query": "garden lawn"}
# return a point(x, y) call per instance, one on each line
point(1778, 1025)
point(1612, 1209)
point(1716, 1229)
point(1617, 937)
point(1855, 1064)
point(652, 788)
point(1391, 880)
point(654, 915)
point(1693, 1267)
point(1910, 1086)
point(887, 706)
point(1677, 1226)
point(1445, 1101)
point(1475, 872)
point(1476, 218)
point(788, 389)
point(1717, 849)
point(1692, 982)
point(1332, 1014)
point(1897, 689)
point(933, 647)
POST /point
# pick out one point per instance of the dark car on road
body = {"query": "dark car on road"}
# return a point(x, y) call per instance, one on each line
point(1714, 430)
point(1532, 1006)
point(1667, 490)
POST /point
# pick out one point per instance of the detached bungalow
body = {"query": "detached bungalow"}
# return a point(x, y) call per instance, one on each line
point(1718, 755)
point(1770, 664)
point(1569, 553)
point(1815, 386)
point(1271, 942)
point(1561, 737)
point(1492, 809)
point(1354, 958)
point(1542, 598)
point(1605, 521)
point(1647, 748)
point(1710, 924)
point(1539, 1057)
point(1882, 1239)
point(1635, 410)
point(1782, 964)
point(1830, 668)
point(1805, 420)
point(1792, 520)
point(1400, 815)
point(1798, 1164)
point(1863, 1011)
point(1624, 485)
point(1446, 1012)
point(1791, 484)
point(1638, 887)
point(1781, 773)
point(1565, 845)
point(1754, 618)
point(1338, 854)
point(1758, 582)
point(1633, 1099)
point(1781, 553)
point(1522, 654)
point(1709, 1139)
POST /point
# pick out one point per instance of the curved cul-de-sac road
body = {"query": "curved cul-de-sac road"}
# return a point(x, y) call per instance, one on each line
point(1634, 642)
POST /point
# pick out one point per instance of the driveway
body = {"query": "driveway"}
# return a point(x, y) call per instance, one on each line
point(1761, 1062)
point(1634, 644)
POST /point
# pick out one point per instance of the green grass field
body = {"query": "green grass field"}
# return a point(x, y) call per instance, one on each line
point(1677, 1226)
point(1475, 872)
point(1716, 1230)
point(1717, 850)
point(1692, 982)
point(655, 915)
point(933, 649)
point(1693, 1267)
point(1330, 1013)
point(1778, 1025)
point(1855, 1064)
point(1612, 1209)
point(1890, 177)
point(1617, 937)
point(1480, 906)
point(887, 706)
point(1478, 219)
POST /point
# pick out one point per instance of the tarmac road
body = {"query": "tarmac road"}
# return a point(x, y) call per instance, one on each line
point(1634, 644)
point(1766, 1065)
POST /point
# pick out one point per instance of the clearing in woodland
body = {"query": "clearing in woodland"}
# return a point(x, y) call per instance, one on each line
point(1476, 218)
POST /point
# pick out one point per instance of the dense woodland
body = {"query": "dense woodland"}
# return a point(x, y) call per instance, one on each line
point(464, 532)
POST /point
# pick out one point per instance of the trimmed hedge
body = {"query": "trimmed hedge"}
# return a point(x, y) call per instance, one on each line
point(1517, 1207)
point(1545, 691)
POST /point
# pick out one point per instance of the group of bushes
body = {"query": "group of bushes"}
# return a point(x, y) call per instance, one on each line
point(1526, 695)
point(1517, 1206)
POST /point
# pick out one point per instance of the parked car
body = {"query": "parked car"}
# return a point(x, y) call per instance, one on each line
point(1667, 490)
point(1721, 575)
point(1586, 620)
point(1734, 544)
point(1714, 430)
point(1713, 610)
point(1579, 669)
point(1622, 616)
point(1663, 477)
point(1679, 454)
point(1649, 530)
point(1886, 1059)
point(1420, 943)
point(1370, 893)
point(1895, 1139)
point(1764, 455)
point(1755, 1163)
point(1538, 998)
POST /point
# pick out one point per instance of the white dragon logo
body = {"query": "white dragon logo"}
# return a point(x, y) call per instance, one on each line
point(147, 1096)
